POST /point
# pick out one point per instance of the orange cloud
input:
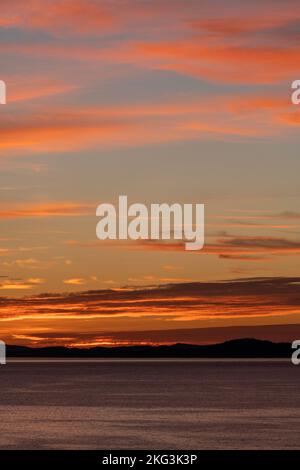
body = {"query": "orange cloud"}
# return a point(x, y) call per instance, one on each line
point(4, 251)
point(10, 285)
point(74, 281)
point(226, 63)
point(63, 17)
point(55, 133)
point(246, 248)
point(249, 19)
point(34, 89)
point(292, 118)
point(180, 302)
point(76, 128)
point(219, 44)
point(23, 263)
point(236, 63)
point(36, 280)
point(55, 209)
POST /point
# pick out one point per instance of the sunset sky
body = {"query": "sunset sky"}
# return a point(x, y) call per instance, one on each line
point(164, 101)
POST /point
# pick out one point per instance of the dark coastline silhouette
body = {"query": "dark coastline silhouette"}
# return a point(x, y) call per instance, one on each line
point(237, 348)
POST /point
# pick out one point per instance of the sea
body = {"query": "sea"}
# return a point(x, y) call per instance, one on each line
point(149, 404)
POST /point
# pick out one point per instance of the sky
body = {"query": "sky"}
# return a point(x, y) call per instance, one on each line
point(163, 101)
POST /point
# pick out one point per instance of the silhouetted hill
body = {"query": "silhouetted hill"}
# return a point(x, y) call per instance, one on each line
point(238, 348)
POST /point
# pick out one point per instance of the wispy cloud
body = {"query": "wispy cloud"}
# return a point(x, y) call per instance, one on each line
point(259, 297)
point(54, 209)
point(73, 128)
point(74, 281)
point(66, 17)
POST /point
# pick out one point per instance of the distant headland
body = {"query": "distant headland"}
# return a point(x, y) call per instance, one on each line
point(237, 348)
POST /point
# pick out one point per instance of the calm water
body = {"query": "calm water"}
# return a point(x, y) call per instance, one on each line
point(150, 405)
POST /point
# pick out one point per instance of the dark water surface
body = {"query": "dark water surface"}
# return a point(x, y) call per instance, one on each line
point(177, 404)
